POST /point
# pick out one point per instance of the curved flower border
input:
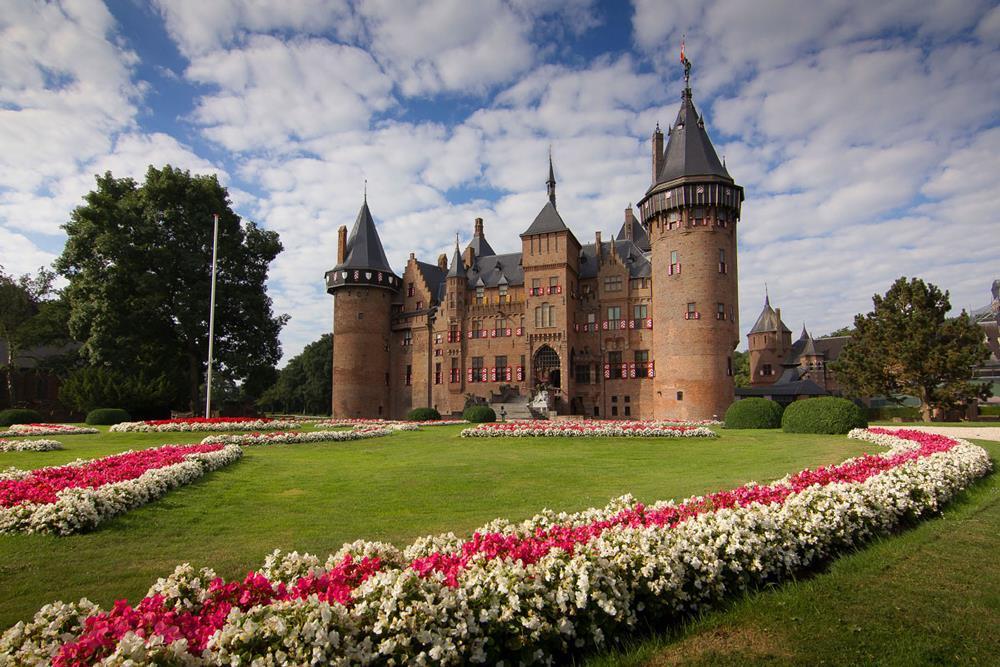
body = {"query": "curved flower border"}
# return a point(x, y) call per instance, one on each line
point(47, 429)
point(201, 424)
point(519, 592)
point(29, 445)
point(294, 437)
point(586, 429)
point(77, 508)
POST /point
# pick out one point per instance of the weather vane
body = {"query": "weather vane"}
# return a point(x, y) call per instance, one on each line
point(686, 63)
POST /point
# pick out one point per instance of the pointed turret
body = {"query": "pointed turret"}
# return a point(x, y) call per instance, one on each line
point(364, 262)
point(551, 183)
point(689, 151)
point(769, 321)
point(457, 269)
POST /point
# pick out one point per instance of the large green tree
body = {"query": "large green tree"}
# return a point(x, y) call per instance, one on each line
point(306, 384)
point(909, 345)
point(138, 261)
point(31, 315)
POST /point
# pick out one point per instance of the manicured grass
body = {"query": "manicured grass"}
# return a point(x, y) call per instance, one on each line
point(315, 497)
point(930, 595)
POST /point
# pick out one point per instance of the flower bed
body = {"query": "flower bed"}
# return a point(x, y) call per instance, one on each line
point(520, 592)
point(587, 429)
point(48, 429)
point(29, 445)
point(294, 437)
point(78, 496)
point(204, 424)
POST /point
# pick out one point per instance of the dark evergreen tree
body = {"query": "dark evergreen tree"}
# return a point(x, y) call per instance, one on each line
point(138, 261)
point(908, 345)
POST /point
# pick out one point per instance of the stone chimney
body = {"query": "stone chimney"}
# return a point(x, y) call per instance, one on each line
point(629, 221)
point(479, 227)
point(341, 244)
point(468, 257)
point(443, 262)
point(599, 249)
point(657, 152)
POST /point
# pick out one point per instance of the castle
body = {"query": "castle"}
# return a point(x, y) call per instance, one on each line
point(642, 325)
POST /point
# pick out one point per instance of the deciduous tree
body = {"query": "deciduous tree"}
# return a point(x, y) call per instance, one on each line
point(138, 261)
point(909, 345)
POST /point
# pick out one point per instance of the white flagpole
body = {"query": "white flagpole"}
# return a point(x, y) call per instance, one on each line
point(211, 321)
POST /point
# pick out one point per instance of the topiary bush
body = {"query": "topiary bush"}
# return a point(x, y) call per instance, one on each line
point(479, 413)
point(826, 414)
point(423, 415)
point(754, 413)
point(19, 416)
point(107, 417)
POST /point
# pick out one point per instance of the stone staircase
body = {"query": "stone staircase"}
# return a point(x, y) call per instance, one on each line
point(515, 409)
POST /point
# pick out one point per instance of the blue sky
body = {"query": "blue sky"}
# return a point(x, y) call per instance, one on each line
point(866, 134)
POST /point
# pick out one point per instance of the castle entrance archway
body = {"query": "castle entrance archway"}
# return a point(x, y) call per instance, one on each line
point(546, 366)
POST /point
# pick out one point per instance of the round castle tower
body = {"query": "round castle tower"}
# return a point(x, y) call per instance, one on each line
point(363, 286)
point(691, 210)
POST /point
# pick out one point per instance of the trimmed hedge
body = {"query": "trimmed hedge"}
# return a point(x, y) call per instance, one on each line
point(826, 414)
point(423, 415)
point(754, 413)
point(889, 412)
point(989, 410)
point(479, 414)
point(107, 417)
point(19, 416)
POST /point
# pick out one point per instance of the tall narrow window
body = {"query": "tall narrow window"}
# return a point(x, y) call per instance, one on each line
point(615, 362)
point(480, 294)
point(409, 375)
point(639, 314)
point(722, 261)
point(720, 313)
point(503, 293)
point(692, 311)
point(642, 363)
point(437, 373)
point(614, 315)
point(409, 289)
point(675, 264)
point(477, 369)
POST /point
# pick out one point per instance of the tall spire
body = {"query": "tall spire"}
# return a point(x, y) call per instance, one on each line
point(456, 262)
point(552, 180)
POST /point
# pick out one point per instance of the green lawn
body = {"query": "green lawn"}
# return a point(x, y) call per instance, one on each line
point(929, 596)
point(315, 497)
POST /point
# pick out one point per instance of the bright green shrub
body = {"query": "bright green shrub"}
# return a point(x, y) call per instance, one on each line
point(826, 414)
point(19, 416)
point(107, 417)
point(423, 415)
point(989, 410)
point(754, 413)
point(479, 413)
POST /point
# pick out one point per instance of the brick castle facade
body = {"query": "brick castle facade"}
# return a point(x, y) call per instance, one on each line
point(641, 325)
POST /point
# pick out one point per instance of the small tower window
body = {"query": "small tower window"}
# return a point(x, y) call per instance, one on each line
point(720, 313)
point(680, 396)
point(722, 261)
point(409, 289)
point(675, 264)
point(409, 375)
point(673, 217)
point(729, 366)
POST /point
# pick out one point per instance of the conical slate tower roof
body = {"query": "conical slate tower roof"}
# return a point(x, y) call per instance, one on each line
point(457, 267)
point(689, 151)
point(547, 220)
point(364, 247)
point(768, 320)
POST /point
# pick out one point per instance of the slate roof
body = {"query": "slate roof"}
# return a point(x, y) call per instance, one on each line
point(639, 235)
point(631, 254)
point(789, 384)
point(364, 248)
point(548, 220)
point(491, 268)
point(768, 320)
point(480, 246)
point(456, 268)
point(689, 151)
point(828, 348)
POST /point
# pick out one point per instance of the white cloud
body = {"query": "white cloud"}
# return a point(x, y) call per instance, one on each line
point(272, 92)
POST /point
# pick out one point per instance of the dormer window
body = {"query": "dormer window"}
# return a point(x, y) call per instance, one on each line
point(480, 294)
